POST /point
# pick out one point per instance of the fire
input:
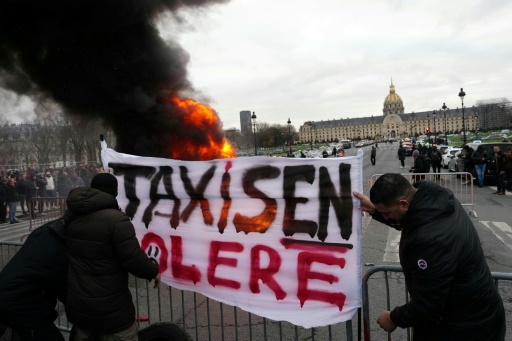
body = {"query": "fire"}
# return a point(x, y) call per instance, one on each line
point(201, 136)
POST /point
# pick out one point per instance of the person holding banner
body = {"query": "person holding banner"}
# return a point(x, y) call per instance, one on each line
point(452, 292)
point(102, 249)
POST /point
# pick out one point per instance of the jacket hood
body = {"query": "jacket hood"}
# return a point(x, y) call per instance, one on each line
point(83, 201)
point(431, 202)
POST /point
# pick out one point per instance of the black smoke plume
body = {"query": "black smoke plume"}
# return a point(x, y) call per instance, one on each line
point(102, 58)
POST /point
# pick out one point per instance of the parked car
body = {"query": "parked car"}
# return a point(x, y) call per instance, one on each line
point(456, 163)
point(448, 155)
point(442, 149)
point(408, 149)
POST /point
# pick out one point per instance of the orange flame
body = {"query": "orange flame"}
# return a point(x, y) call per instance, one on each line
point(203, 137)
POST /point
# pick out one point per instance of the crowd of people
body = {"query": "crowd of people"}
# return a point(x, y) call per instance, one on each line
point(22, 187)
point(476, 162)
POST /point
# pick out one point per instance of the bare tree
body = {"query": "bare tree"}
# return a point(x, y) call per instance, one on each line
point(63, 133)
point(42, 140)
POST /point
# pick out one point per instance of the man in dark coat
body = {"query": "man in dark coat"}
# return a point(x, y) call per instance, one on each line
point(31, 283)
point(31, 193)
point(452, 293)
point(3, 200)
point(373, 154)
point(497, 167)
point(401, 156)
point(102, 249)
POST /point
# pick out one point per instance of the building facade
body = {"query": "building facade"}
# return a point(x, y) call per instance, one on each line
point(245, 121)
point(393, 124)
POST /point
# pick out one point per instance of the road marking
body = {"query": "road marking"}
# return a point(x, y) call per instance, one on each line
point(503, 227)
point(391, 252)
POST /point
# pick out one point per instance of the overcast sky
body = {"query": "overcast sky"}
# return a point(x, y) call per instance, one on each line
point(331, 59)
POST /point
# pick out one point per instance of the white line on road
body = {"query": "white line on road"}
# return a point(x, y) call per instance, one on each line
point(391, 252)
point(503, 227)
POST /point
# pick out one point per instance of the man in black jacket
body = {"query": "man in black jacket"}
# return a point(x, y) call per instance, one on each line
point(31, 283)
point(102, 249)
point(453, 295)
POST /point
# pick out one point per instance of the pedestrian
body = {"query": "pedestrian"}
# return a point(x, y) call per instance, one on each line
point(41, 183)
point(76, 181)
point(20, 190)
point(452, 293)
point(12, 199)
point(435, 159)
point(3, 200)
point(63, 187)
point(479, 158)
point(508, 168)
point(373, 154)
point(341, 152)
point(31, 194)
point(469, 166)
point(334, 152)
point(497, 168)
point(401, 156)
point(50, 190)
point(102, 249)
point(418, 166)
point(32, 282)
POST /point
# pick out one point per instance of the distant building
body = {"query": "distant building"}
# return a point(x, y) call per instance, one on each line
point(245, 121)
point(393, 124)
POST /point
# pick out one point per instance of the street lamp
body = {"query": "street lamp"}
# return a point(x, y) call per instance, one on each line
point(289, 135)
point(253, 117)
point(444, 107)
point(428, 128)
point(434, 114)
point(461, 95)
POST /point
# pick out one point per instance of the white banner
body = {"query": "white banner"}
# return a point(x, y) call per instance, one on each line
point(278, 237)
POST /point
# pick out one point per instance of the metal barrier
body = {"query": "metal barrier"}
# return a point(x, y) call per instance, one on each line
point(400, 334)
point(460, 183)
point(45, 209)
point(201, 317)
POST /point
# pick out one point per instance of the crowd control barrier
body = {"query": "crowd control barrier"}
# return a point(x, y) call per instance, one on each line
point(390, 278)
point(200, 316)
point(460, 183)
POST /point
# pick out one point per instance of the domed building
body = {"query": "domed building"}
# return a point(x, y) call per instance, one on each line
point(393, 103)
point(393, 124)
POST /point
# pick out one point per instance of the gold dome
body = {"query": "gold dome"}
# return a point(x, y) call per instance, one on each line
point(393, 96)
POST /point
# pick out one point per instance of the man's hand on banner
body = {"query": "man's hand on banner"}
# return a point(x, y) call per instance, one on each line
point(366, 204)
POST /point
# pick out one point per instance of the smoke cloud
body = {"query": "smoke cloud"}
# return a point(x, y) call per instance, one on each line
point(102, 59)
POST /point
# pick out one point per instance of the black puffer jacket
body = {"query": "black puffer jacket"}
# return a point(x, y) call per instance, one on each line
point(102, 249)
point(34, 279)
point(453, 296)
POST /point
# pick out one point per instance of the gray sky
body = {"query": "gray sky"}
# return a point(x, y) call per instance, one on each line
point(331, 59)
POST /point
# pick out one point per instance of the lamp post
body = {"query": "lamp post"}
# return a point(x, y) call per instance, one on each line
point(428, 128)
point(289, 135)
point(476, 126)
point(444, 107)
point(461, 95)
point(434, 114)
point(253, 117)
